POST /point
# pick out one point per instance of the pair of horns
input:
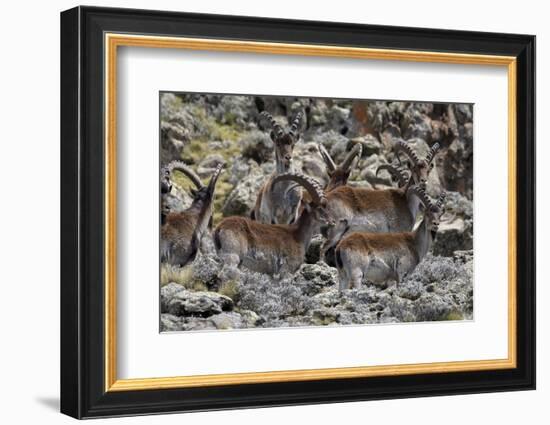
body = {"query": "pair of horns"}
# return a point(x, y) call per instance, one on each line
point(277, 127)
point(185, 169)
point(356, 151)
point(310, 184)
point(404, 147)
point(429, 204)
point(397, 173)
point(296, 123)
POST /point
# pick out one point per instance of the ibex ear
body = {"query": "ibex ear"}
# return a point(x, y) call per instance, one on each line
point(272, 135)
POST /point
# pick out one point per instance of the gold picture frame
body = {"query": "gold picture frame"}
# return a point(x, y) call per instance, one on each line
point(114, 41)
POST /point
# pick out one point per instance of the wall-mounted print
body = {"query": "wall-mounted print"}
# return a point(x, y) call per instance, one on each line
point(303, 211)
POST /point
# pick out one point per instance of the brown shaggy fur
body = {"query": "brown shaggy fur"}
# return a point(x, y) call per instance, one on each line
point(372, 242)
point(363, 200)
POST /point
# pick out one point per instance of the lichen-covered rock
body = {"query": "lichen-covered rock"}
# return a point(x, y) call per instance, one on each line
point(313, 278)
point(313, 253)
point(170, 323)
point(456, 228)
point(242, 198)
point(177, 199)
point(198, 303)
point(330, 138)
point(416, 123)
point(166, 294)
point(207, 166)
point(457, 167)
point(257, 145)
point(206, 269)
point(234, 320)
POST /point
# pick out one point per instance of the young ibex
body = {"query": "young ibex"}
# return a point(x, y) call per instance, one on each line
point(372, 210)
point(277, 205)
point(181, 232)
point(271, 248)
point(379, 257)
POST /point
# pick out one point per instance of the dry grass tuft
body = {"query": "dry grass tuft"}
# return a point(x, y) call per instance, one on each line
point(182, 276)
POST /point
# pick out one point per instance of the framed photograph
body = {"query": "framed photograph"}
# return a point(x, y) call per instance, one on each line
point(261, 212)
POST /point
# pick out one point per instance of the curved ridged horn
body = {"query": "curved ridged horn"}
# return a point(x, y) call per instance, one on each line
point(185, 169)
point(274, 125)
point(423, 197)
point(397, 173)
point(356, 151)
point(327, 158)
point(296, 123)
point(310, 184)
point(402, 146)
point(433, 150)
point(440, 201)
point(215, 175)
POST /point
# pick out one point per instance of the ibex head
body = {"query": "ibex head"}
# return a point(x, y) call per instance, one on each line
point(201, 192)
point(432, 210)
point(317, 200)
point(284, 140)
point(339, 175)
point(420, 168)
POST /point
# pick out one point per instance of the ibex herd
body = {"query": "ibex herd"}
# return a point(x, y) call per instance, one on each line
point(370, 234)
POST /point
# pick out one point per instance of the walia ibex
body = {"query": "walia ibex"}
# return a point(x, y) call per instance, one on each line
point(181, 232)
point(420, 168)
point(378, 210)
point(379, 257)
point(276, 204)
point(339, 174)
point(276, 249)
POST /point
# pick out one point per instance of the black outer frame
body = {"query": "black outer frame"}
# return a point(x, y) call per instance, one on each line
point(82, 206)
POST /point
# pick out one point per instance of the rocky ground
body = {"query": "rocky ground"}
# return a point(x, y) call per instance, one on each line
point(204, 130)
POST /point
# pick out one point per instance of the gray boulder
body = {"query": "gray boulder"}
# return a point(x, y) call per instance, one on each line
point(208, 165)
point(177, 200)
point(242, 198)
point(456, 228)
point(198, 303)
point(233, 320)
point(257, 145)
point(170, 323)
point(167, 292)
point(313, 278)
